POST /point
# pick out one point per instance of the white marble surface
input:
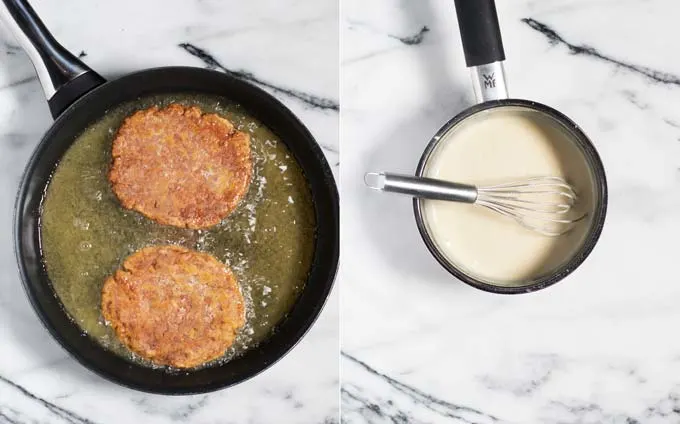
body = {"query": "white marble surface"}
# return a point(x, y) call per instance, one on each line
point(289, 45)
point(600, 347)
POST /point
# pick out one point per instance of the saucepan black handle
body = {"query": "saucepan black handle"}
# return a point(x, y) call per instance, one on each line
point(483, 47)
point(480, 32)
point(64, 78)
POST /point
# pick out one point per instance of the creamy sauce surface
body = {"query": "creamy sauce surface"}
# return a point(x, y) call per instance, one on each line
point(497, 146)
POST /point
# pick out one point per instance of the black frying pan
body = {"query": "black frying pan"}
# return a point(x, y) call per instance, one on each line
point(78, 97)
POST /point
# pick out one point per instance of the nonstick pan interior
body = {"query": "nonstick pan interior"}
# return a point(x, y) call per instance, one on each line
point(163, 81)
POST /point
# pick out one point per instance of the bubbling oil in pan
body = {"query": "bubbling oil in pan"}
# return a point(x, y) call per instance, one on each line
point(268, 241)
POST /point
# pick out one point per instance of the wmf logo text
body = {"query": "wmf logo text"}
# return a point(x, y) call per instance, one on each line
point(489, 80)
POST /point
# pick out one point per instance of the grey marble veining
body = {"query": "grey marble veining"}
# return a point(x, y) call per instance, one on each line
point(273, 45)
point(597, 348)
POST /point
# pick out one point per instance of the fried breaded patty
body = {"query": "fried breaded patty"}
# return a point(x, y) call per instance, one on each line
point(179, 166)
point(174, 306)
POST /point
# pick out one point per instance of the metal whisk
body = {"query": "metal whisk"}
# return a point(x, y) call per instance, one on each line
point(541, 204)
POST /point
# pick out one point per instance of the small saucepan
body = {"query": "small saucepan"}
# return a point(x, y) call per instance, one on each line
point(498, 141)
point(77, 98)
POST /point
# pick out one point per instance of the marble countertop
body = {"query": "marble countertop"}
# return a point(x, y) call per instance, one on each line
point(599, 347)
point(275, 45)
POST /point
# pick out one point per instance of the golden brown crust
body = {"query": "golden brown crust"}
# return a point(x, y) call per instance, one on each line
point(174, 306)
point(179, 166)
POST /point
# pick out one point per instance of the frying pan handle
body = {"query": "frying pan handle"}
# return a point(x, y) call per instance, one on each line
point(483, 47)
point(64, 78)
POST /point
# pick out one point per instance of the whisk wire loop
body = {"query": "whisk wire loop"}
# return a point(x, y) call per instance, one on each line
point(540, 204)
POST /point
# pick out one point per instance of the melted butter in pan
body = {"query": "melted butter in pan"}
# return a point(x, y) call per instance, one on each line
point(268, 240)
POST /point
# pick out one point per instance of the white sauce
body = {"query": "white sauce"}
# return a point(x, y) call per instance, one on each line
point(495, 146)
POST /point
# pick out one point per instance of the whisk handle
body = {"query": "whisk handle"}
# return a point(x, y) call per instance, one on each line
point(420, 187)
